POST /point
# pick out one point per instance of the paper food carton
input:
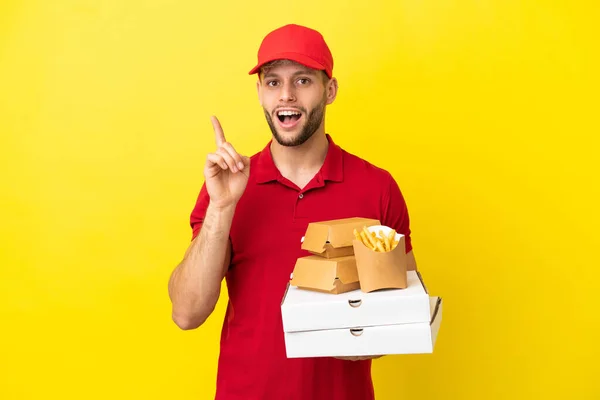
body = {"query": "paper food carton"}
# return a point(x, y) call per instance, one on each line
point(410, 338)
point(304, 310)
point(334, 238)
point(378, 269)
point(329, 275)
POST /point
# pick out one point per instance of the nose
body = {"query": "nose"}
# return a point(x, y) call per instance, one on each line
point(287, 93)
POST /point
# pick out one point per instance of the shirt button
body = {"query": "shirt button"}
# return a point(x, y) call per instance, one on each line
point(300, 195)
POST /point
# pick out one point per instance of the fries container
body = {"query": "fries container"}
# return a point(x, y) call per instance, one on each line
point(333, 238)
point(381, 270)
point(333, 275)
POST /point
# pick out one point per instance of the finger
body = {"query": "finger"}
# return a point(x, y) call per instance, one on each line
point(219, 135)
point(358, 358)
point(228, 159)
point(246, 170)
point(234, 154)
point(217, 159)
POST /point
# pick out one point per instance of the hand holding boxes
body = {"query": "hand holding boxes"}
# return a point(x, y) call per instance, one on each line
point(347, 299)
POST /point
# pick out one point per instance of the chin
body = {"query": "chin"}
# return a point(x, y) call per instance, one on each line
point(296, 134)
point(292, 139)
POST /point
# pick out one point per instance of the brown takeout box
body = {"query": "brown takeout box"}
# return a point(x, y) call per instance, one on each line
point(334, 238)
point(333, 275)
point(381, 270)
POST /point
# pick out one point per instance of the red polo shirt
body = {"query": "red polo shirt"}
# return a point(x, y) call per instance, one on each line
point(270, 219)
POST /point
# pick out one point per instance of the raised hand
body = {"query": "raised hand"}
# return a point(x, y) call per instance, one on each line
point(225, 172)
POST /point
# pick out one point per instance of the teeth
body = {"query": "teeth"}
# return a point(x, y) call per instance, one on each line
point(289, 113)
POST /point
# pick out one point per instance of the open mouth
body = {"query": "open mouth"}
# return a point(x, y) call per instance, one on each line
point(288, 118)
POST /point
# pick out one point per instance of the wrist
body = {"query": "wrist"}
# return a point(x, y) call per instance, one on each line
point(218, 219)
point(225, 209)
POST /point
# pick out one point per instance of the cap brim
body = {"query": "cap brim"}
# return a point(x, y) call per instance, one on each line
point(299, 58)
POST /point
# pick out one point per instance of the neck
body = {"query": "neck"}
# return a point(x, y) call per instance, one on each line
point(300, 164)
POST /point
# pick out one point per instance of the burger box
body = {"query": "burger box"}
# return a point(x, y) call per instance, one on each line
point(393, 321)
point(329, 275)
point(362, 268)
point(334, 238)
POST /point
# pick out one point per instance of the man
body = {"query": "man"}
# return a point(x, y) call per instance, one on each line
point(251, 214)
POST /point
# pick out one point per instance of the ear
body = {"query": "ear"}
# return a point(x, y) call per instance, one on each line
point(332, 89)
point(258, 92)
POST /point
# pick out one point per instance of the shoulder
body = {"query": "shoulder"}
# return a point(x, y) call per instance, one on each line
point(382, 188)
point(256, 157)
point(356, 167)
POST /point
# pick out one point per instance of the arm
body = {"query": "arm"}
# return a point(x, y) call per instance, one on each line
point(195, 284)
point(395, 215)
point(411, 262)
point(402, 221)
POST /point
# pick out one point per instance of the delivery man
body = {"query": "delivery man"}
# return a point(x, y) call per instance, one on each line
point(251, 214)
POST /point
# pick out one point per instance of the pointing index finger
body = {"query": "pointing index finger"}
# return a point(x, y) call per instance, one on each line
point(219, 135)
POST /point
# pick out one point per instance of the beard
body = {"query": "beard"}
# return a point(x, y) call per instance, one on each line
point(313, 121)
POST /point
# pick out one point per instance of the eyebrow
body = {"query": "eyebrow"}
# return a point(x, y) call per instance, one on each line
point(304, 71)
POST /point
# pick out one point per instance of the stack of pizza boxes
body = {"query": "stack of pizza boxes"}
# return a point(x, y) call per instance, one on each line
point(355, 296)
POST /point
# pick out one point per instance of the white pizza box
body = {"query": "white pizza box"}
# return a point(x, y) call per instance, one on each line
point(411, 338)
point(308, 310)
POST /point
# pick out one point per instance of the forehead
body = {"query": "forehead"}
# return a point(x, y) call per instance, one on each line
point(286, 67)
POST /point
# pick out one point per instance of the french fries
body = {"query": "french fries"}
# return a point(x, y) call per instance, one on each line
point(381, 243)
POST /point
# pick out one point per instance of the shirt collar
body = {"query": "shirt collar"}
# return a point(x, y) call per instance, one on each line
point(332, 168)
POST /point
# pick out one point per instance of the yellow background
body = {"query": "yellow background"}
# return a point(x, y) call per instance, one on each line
point(486, 112)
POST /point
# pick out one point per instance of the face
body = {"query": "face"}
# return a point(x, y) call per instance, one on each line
point(294, 98)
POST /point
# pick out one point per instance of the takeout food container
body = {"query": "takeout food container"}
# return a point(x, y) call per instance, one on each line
point(412, 338)
point(396, 321)
point(329, 275)
point(334, 238)
point(381, 270)
point(309, 310)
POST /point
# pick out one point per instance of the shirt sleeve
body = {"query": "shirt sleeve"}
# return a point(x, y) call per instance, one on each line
point(199, 211)
point(395, 212)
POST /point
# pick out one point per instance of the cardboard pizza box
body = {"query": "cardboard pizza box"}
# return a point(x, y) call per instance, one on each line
point(309, 310)
point(411, 338)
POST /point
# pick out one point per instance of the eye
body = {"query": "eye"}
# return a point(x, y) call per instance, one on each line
point(272, 83)
point(303, 81)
